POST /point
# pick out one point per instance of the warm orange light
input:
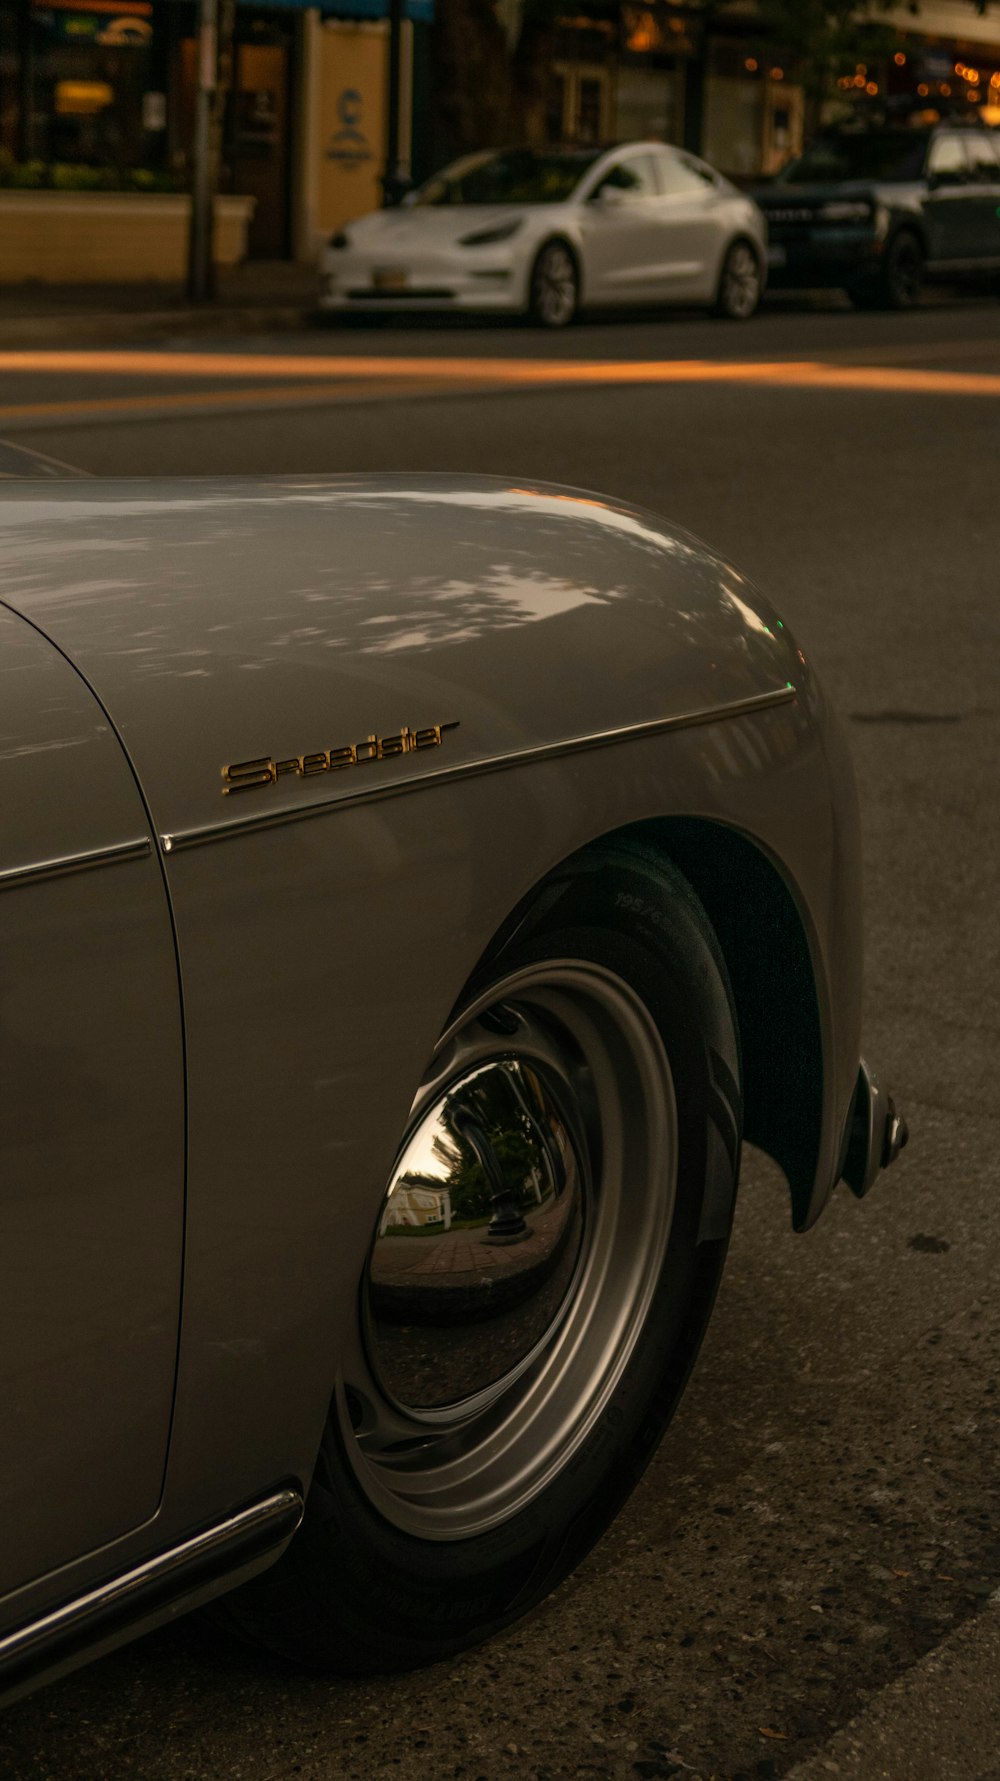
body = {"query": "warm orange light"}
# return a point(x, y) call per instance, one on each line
point(642, 37)
point(945, 89)
point(899, 59)
point(777, 74)
point(861, 68)
point(972, 76)
point(82, 98)
point(751, 64)
point(858, 81)
point(923, 90)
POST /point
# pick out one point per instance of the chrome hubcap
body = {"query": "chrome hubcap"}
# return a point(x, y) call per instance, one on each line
point(515, 1253)
point(742, 282)
point(479, 1236)
point(555, 286)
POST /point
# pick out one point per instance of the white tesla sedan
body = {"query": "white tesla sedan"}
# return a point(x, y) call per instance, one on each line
point(545, 232)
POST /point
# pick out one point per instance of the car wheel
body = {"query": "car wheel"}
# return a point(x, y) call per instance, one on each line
point(897, 283)
point(554, 294)
point(740, 283)
point(541, 1272)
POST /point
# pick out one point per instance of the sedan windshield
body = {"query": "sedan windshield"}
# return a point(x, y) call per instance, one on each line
point(515, 176)
point(893, 155)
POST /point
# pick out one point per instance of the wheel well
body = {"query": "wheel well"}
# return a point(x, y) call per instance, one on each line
point(561, 241)
point(741, 239)
point(909, 226)
point(767, 955)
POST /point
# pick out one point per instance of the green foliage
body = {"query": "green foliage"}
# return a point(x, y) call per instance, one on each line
point(828, 38)
point(64, 176)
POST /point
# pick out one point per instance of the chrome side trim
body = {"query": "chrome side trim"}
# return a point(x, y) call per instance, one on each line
point(126, 1598)
point(76, 862)
point(546, 751)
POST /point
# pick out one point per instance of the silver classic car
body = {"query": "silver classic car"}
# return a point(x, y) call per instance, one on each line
point(412, 890)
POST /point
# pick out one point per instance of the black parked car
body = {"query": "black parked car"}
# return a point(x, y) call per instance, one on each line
point(876, 211)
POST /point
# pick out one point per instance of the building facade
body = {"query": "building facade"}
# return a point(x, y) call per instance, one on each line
point(99, 95)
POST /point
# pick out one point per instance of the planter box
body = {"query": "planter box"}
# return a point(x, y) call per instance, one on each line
point(109, 237)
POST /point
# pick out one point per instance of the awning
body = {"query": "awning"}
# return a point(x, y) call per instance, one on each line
point(420, 11)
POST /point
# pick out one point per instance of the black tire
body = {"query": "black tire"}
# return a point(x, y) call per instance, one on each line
point(741, 282)
point(898, 280)
point(359, 1590)
point(554, 287)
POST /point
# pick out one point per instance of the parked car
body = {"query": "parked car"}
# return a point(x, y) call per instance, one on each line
point(878, 211)
point(548, 232)
point(413, 889)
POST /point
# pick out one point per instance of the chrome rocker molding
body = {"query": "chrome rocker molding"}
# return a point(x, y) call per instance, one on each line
point(546, 751)
point(113, 1606)
point(75, 862)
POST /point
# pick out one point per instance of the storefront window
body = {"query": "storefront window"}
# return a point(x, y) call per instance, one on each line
point(92, 83)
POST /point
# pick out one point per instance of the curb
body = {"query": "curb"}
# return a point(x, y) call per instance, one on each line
point(90, 326)
point(940, 1721)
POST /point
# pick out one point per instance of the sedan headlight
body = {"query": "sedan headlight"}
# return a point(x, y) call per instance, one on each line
point(485, 237)
point(846, 210)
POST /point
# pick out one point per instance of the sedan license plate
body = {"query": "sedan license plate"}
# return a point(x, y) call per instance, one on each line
point(776, 256)
point(389, 278)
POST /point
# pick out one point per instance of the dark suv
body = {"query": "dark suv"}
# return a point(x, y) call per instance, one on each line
point(874, 211)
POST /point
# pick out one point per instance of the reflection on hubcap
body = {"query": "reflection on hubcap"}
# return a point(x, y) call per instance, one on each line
point(478, 1237)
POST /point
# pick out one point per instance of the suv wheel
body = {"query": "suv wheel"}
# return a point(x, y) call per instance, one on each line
point(897, 283)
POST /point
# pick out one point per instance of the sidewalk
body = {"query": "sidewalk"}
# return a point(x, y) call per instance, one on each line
point(261, 296)
point(938, 1722)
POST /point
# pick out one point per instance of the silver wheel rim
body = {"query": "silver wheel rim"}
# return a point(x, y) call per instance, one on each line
point(742, 281)
point(555, 287)
point(588, 1049)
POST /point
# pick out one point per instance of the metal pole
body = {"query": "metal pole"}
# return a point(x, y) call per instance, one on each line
point(393, 180)
point(201, 265)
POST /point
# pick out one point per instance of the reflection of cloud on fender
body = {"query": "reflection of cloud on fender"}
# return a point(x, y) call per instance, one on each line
point(349, 147)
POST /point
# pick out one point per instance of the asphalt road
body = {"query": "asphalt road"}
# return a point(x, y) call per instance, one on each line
point(826, 1508)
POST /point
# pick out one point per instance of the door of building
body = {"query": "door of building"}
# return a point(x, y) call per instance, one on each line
point(258, 146)
point(257, 131)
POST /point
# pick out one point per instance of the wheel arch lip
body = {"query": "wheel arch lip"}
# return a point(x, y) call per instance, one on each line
point(792, 951)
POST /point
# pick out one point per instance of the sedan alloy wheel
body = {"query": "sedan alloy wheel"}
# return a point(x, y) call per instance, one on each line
point(740, 283)
point(555, 287)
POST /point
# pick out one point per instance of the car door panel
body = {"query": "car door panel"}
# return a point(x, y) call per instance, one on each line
point(949, 207)
point(692, 227)
point(91, 1125)
point(984, 152)
point(622, 234)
